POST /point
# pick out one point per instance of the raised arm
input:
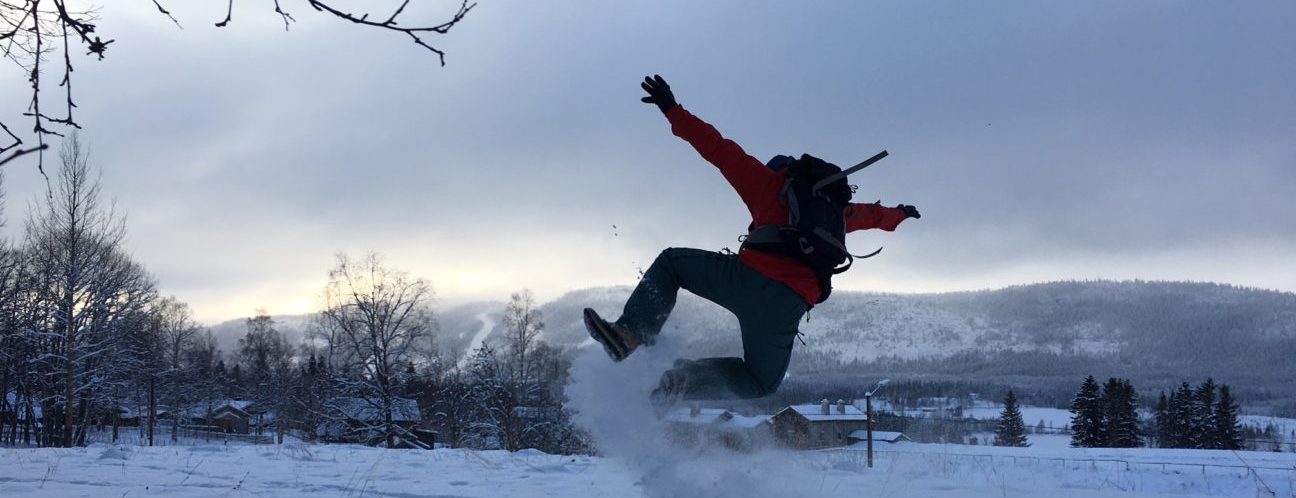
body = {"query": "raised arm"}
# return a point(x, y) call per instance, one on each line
point(754, 182)
point(869, 216)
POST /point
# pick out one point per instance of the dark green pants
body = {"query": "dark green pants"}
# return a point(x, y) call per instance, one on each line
point(768, 313)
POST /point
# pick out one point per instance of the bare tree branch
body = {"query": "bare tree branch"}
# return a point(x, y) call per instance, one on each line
point(167, 13)
point(391, 23)
point(229, 13)
point(22, 152)
point(27, 26)
point(286, 17)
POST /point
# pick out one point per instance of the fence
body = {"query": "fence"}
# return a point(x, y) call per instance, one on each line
point(1281, 476)
point(185, 436)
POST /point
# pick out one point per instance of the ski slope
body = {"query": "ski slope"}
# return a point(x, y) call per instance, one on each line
point(901, 471)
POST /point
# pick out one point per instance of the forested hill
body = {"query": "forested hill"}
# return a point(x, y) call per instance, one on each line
point(1042, 336)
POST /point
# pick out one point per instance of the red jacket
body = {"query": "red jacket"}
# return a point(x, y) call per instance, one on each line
point(759, 186)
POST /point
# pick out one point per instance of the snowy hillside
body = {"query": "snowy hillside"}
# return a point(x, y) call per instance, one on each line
point(900, 471)
point(1043, 337)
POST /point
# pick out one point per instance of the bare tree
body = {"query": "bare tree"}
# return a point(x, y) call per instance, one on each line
point(378, 315)
point(87, 285)
point(523, 325)
point(33, 31)
point(267, 361)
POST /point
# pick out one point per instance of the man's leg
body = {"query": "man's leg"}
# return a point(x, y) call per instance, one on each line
point(719, 278)
point(768, 313)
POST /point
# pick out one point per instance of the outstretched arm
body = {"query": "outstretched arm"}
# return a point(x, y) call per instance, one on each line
point(869, 216)
point(748, 176)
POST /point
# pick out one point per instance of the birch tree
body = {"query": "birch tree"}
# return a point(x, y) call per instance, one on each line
point(86, 284)
point(523, 325)
point(377, 315)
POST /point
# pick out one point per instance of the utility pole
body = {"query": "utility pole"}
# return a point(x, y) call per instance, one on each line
point(868, 418)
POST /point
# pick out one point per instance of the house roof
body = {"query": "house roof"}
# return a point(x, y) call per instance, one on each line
point(232, 403)
point(884, 436)
point(716, 418)
point(745, 422)
point(814, 412)
point(704, 416)
point(370, 410)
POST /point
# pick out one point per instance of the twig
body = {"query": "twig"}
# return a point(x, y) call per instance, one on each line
point(21, 152)
point(167, 13)
point(229, 13)
point(391, 24)
point(286, 16)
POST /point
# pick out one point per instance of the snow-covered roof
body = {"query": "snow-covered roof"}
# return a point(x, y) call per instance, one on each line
point(403, 409)
point(884, 436)
point(745, 422)
point(836, 412)
point(703, 415)
point(233, 403)
point(716, 418)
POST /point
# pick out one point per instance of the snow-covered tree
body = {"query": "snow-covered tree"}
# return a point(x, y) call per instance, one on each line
point(1227, 430)
point(376, 317)
point(522, 325)
point(1203, 416)
point(267, 361)
point(83, 292)
point(1121, 418)
point(1088, 429)
point(1011, 430)
point(1182, 428)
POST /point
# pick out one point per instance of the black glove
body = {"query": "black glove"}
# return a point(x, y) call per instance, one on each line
point(910, 211)
point(658, 93)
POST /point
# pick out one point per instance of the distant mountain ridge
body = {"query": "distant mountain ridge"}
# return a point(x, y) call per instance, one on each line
point(1041, 336)
point(1044, 336)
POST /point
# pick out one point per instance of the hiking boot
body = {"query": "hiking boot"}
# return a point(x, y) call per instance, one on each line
point(617, 340)
point(669, 392)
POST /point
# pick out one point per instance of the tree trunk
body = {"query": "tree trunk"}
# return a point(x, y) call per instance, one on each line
point(387, 418)
point(69, 411)
point(152, 408)
point(79, 435)
point(4, 403)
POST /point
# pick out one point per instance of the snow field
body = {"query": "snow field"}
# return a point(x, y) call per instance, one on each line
point(300, 470)
point(901, 471)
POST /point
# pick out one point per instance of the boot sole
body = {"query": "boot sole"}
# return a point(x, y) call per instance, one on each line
point(612, 345)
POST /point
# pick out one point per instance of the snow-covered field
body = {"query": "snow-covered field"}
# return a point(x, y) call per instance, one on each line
point(905, 470)
point(636, 461)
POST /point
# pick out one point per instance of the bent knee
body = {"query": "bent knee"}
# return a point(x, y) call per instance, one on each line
point(769, 387)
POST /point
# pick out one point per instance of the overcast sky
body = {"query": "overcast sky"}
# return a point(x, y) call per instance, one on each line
point(1041, 140)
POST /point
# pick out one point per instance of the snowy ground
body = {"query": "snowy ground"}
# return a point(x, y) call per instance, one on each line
point(906, 470)
point(638, 462)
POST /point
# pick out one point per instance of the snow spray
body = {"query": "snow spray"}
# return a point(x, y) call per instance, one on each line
point(611, 401)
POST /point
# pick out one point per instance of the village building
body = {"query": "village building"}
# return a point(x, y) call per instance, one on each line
point(360, 420)
point(230, 416)
point(822, 425)
point(861, 437)
point(696, 425)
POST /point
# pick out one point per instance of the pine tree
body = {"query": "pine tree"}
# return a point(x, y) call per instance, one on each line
point(1181, 418)
point(1011, 430)
point(1227, 430)
point(1121, 404)
point(1087, 424)
point(1203, 421)
point(1162, 420)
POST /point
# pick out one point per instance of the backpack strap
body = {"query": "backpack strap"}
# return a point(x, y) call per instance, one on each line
point(764, 234)
point(827, 236)
point(832, 178)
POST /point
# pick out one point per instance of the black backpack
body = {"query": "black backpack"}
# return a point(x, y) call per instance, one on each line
point(816, 194)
